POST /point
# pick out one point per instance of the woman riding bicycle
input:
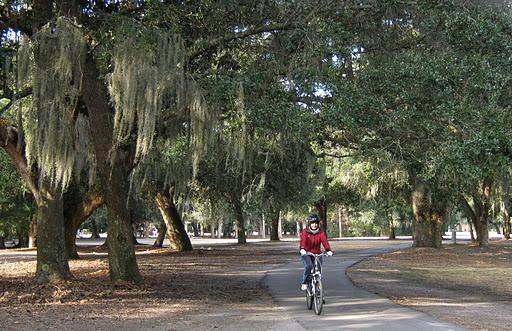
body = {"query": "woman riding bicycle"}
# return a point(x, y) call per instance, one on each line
point(310, 240)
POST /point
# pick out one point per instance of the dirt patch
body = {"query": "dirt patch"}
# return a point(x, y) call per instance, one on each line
point(464, 284)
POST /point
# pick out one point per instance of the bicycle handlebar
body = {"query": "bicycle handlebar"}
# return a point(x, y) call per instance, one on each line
point(316, 255)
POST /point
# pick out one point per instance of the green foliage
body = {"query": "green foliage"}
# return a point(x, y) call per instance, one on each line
point(431, 103)
point(207, 209)
point(368, 224)
point(401, 86)
point(16, 204)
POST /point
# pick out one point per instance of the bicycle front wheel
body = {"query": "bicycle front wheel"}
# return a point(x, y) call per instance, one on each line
point(319, 297)
point(309, 296)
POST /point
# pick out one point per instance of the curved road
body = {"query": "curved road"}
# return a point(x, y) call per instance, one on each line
point(347, 307)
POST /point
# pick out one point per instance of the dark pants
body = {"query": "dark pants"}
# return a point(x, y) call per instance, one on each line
point(308, 262)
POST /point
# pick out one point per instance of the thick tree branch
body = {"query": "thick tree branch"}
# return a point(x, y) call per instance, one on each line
point(8, 141)
point(467, 208)
point(81, 211)
point(205, 46)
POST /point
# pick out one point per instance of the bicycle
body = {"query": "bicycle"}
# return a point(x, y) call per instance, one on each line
point(315, 292)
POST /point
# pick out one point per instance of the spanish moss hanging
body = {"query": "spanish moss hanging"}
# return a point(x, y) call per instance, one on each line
point(148, 86)
point(52, 61)
point(201, 124)
point(143, 84)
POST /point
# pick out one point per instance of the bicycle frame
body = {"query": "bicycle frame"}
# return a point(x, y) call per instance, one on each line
point(314, 292)
point(316, 272)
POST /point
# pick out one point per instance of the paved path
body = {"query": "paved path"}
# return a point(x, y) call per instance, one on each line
point(347, 307)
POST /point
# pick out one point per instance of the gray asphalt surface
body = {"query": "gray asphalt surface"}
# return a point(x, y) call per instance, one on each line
point(347, 307)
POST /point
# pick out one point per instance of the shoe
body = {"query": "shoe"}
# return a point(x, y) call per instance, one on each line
point(304, 287)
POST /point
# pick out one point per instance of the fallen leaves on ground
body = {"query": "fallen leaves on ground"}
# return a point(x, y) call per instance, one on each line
point(178, 283)
point(466, 284)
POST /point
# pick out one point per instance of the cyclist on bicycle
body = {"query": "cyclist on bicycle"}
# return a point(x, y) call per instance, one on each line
point(310, 239)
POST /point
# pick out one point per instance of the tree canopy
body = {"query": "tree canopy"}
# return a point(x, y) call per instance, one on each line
point(388, 110)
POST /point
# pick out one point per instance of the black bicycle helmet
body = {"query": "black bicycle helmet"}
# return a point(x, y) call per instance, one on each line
point(313, 218)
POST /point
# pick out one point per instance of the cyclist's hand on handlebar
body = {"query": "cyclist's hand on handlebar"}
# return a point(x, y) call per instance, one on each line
point(329, 253)
point(303, 252)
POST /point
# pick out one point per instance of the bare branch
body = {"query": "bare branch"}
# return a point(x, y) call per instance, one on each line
point(336, 156)
point(200, 48)
point(20, 95)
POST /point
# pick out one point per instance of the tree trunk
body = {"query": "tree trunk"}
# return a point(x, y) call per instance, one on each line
point(52, 262)
point(240, 222)
point(340, 233)
point(212, 230)
point(121, 252)
point(113, 175)
point(195, 227)
point(427, 230)
point(274, 229)
point(32, 232)
point(52, 265)
point(23, 240)
point(349, 67)
point(280, 225)
point(227, 231)
point(471, 233)
point(506, 207)
point(472, 214)
point(262, 227)
point(162, 229)
point(219, 230)
point(321, 207)
point(70, 240)
point(67, 8)
point(483, 217)
point(421, 201)
point(175, 228)
point(43, 13)
point(95, 232)
point(2, 242)
point(134, 239)
point(506, 224)
point(389, 216)
point(440, 215)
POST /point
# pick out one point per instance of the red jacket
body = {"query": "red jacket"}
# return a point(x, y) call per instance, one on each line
point(311, 242)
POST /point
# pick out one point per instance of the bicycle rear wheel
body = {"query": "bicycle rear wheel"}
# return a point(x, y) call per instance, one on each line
point(319, 297)
point(309, 296)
